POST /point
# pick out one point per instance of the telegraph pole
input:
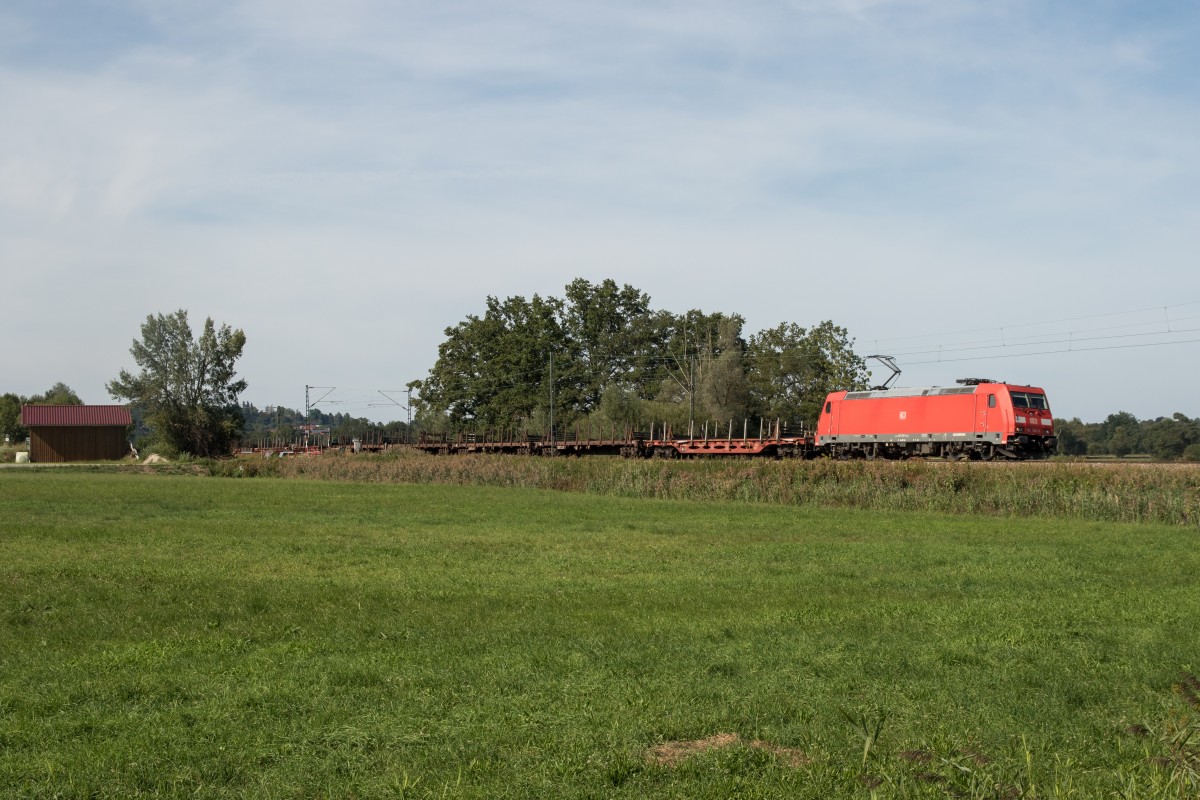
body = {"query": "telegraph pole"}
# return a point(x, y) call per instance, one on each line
point(552, 436)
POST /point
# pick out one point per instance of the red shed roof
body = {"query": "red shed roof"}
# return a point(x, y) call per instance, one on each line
point(41, 416)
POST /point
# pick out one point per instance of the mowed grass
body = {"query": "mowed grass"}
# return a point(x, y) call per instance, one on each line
point(181, 636)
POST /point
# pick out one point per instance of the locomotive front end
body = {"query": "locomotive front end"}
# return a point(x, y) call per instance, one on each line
point(1031, 432)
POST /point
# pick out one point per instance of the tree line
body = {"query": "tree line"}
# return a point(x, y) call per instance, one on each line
point(1123, 434)
point(280, 423)
point(603, 354)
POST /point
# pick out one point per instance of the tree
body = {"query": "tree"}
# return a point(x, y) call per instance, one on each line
point(609, 337)
point(1120, 433)
point(57, 395)
point(10, 408)
point(1071, 438)
point(495, 368)
point(686, 346)
point(792, 369)
point(10, 418)
point(187, 387)
point(621, 405)
point(722, 384)
point(1123, 441)
point(1168, 438)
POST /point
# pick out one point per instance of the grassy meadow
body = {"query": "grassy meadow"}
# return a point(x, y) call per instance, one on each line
point(167, 635)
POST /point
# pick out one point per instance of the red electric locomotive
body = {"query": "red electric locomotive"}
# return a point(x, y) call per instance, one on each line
point(980, 419)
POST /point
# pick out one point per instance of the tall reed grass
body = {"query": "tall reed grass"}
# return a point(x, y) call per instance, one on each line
point(1167, 494)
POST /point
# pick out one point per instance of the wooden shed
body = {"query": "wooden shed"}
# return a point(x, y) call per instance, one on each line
point(76, 433)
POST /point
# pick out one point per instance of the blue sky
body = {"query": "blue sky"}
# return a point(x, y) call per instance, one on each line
point(981, 188)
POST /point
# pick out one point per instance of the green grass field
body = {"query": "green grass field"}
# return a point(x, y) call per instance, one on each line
point(205, 637)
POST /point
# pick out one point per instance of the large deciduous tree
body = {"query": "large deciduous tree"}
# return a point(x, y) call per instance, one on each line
point(495, 368)
point(792, 369)
point(187, 387)
point(610, 338)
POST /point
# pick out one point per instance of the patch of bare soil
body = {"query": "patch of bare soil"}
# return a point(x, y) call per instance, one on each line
point(979, 758)
point(1189, 689)
point(670, 754)
point(792, 756)
point(155, 458)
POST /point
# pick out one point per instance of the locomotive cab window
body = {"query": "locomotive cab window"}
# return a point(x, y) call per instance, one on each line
point(1029, 400)
point(991, 401)
point(828, 405)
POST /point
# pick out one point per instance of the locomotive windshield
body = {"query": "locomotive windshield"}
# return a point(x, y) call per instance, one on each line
point(1029, 400)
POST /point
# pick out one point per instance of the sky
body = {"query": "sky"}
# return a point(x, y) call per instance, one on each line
point(980, 189)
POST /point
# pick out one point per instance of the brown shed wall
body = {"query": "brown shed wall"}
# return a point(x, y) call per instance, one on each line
point(55, 443)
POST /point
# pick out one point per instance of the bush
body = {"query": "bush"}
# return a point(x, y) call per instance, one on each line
point(153, 444)
point(243, 467)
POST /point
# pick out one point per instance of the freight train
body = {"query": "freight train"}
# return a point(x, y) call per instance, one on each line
point(977, 419)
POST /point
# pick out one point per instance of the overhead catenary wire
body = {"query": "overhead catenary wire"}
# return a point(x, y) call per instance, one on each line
point(1010, 326)
point(1049, 352)
point(1070, 339)
point(1039, 338)
point(1166, 329)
